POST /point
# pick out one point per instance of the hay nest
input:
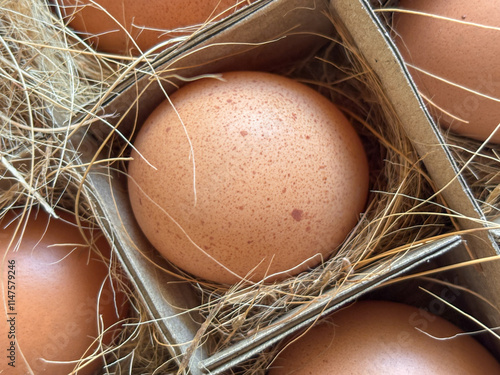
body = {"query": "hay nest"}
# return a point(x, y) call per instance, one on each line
point(50, 79)
point(480, 166)
point(46, 81)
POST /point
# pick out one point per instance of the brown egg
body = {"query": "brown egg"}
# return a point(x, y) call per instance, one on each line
point(127, 26)
point(52, 286)
point(461, 54)
point(262, 176)
point(389, 338)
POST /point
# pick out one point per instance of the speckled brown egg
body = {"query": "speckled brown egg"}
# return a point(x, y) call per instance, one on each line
point(459, 52)
point(130, 26)
point(57, 296)
point(377, 337)
point(251, 175)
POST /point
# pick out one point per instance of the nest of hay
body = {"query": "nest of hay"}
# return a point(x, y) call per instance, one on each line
point(479, 163)
point(46, 81)
point(49, 88)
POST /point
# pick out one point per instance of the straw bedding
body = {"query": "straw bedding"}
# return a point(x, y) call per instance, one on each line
point(49, 78)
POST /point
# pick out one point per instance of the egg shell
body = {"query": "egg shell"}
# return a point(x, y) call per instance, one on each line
point(56, 284)
point(263, 175)
point(462, 54)
point(115, 26)
point(378, 337)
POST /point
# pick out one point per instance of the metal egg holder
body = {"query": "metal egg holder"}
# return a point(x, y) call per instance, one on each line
point(234, 42)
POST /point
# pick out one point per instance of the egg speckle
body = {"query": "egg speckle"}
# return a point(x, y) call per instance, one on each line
point(249, 176)
point(127, 26)
point(443, 54)
point(59, 295)
point(377, 337)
